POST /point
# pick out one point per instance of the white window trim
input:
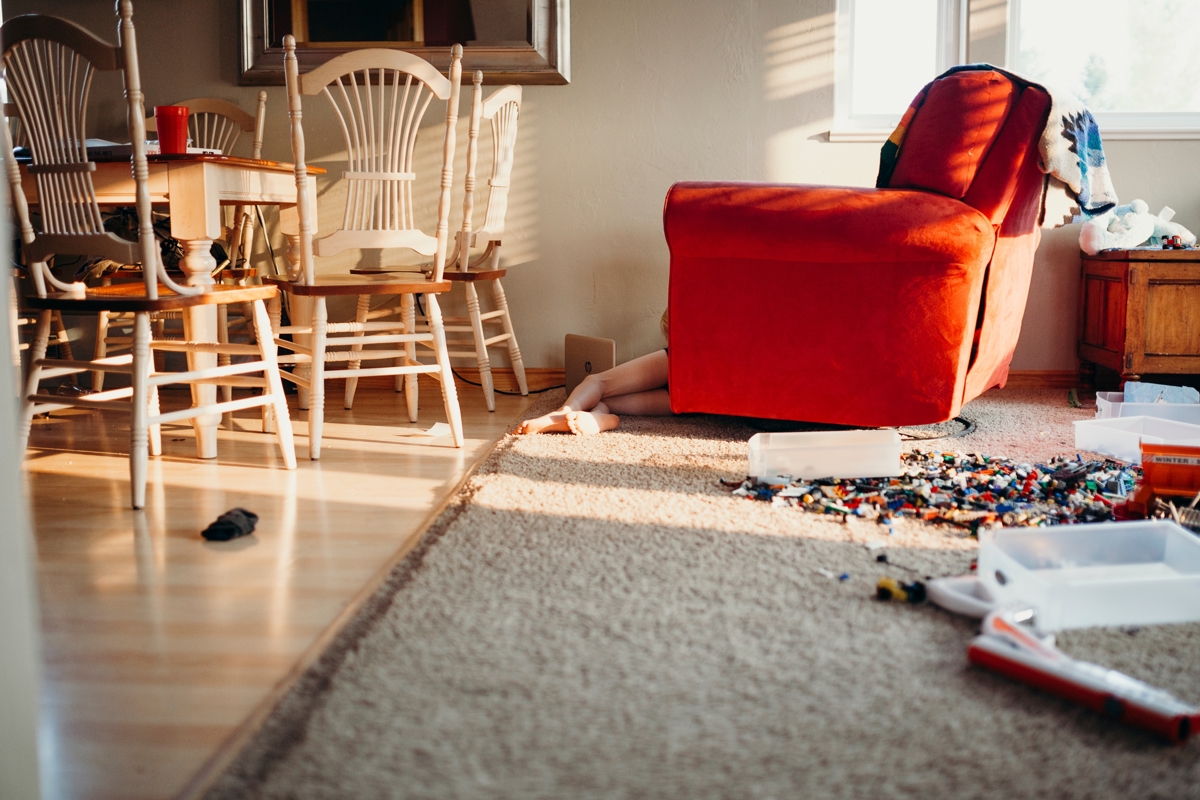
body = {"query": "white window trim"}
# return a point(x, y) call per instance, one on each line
point(952, 50)
point(1114, 125)
point(952, 38)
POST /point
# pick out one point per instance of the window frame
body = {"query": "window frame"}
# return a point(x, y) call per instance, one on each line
point(951, 51)
point(1114, 125)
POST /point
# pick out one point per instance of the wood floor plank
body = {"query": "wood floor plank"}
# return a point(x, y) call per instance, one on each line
point(159, 646)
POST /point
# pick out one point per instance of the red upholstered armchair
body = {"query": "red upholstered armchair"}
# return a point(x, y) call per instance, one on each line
point(872, 307)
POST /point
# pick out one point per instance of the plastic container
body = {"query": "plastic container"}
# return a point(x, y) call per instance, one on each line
point(1111, 573)
point(825, 454)
point(1112, 404)
point(1122, 437)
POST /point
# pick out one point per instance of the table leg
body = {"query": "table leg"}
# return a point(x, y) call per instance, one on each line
point(302, 308)
point(200, 325)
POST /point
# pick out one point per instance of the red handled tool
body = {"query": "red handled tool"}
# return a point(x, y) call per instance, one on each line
point(1015, 650)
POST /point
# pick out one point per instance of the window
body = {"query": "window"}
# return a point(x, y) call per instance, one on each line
point(886, 50)
point(1132, 62)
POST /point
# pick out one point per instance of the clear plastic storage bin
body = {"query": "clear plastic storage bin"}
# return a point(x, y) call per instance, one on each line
point(1122, 437)
point(825, 454)
point(1110, 573)
point(1112, 404)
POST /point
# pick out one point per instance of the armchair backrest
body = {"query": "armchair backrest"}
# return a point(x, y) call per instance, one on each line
point(971, 136)
point(974, 137)
point(379, 97)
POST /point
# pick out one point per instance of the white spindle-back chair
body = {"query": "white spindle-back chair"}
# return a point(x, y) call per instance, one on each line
point(48, 66)
point(214, 124)
point(502, 109)
point(379, 98)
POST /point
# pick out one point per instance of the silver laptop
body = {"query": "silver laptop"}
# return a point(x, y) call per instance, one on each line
point(585, 355)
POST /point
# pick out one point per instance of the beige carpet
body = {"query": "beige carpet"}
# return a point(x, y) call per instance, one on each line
point(599, 618)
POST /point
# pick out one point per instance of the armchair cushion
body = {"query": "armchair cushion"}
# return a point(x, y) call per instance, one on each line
point(841, 297)
point(821, 223)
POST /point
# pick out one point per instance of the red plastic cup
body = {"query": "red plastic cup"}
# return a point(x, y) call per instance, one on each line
point(171, 122)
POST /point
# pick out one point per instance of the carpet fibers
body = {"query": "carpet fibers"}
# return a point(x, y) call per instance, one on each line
point(597, 617)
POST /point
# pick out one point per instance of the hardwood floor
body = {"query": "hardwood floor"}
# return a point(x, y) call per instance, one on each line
point(162, 651)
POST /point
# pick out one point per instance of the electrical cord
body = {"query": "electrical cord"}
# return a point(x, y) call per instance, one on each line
point(501, 391)
point(421, 310)
point(968, 427)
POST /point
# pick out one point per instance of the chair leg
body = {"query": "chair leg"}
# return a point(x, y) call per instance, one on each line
point(275, 316)
point(155, 428)
point(316, 394)
point(224, 359)
point(481, 353)
point(302, 308)
point(514, 352)
point(264, 333)
point(101, 349)
point(409, 313)
point(360, 316)
point(61, 338)
point(449, 392)
point(139, 424)
point(37, 352)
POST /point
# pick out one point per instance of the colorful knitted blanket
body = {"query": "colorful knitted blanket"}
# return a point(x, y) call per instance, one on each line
point(1070, 148)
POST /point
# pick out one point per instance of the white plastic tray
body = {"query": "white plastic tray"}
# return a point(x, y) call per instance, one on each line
point(1145, 572)
point(1121, 437)
point(825, 454)
point(1112, 404)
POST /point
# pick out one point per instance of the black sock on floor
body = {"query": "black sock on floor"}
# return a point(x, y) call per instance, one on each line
point(233, 523)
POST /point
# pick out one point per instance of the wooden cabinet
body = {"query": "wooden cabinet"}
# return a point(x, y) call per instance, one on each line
point(1139, 312)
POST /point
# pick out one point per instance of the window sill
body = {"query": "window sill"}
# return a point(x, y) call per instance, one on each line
point(864, 135)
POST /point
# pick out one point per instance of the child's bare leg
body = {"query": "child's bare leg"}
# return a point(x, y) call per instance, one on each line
point(648, 372)
point(654, 403)
point(639, 375)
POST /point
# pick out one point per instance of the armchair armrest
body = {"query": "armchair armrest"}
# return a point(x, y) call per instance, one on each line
point(789, 222)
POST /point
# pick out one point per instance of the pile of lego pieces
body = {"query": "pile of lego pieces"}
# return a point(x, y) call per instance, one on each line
point(967, 491)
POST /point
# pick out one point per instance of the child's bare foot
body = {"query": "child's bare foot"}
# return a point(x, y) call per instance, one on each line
point(583, 423)
point(554, 421)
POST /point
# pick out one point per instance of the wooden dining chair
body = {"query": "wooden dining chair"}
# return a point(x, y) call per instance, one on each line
point(48, 67)
point(214, 124)
point(218, 125)
point(501, 109)
point(379, 98)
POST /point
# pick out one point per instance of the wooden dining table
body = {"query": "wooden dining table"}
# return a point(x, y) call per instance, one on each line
point(194, 187)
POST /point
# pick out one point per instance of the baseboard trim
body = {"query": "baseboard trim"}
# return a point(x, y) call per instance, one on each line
point(536, 378)
point(544, 377)
point(1042, 379)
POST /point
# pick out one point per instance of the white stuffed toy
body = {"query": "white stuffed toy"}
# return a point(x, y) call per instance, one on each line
point(1165, 229)
point(1129, 226)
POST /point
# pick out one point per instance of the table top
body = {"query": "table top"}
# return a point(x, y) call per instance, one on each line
point(187, 158)
point(1146, 254)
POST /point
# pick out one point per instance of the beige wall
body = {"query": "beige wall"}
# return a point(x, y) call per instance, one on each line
point(660, 92)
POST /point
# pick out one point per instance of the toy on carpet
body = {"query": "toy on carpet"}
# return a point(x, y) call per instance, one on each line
point(1131, 225)
point(967, 491)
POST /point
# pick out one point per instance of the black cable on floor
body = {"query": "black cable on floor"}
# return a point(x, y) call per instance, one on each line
point(501, 391)
point(968, 427)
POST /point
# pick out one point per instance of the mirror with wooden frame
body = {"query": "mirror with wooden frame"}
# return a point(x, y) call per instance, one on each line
point(511, 41)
